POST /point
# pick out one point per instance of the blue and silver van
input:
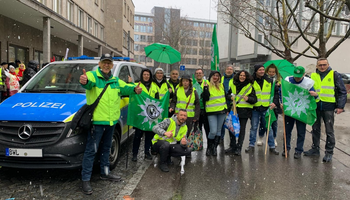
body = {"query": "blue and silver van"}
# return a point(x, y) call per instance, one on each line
point(35, 122)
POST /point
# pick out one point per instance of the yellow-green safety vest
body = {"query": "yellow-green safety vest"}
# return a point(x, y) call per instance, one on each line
point(242, 103)
point(182, 102)
point(1, 83)
point(172, 87)
point(162, 89)
point(217, 100)
point(262, 94)
point(325, 88)
point(152, 89)
point(176, 137)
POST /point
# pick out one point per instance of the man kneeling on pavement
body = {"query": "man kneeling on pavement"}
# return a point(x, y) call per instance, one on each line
point(170, 139)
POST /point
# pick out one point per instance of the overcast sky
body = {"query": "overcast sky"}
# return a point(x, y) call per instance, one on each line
point(189, 8)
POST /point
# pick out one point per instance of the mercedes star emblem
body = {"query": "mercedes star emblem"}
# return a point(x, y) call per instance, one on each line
point(25, 131)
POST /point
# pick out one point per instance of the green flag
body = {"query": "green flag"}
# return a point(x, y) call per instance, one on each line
point(144, 111)
point(269, 111)
point(298, 103)
point(214, 51)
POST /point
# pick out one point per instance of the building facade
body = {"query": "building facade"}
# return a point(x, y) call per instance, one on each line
point(43, 30)
point(190, 36)
point(236, 49)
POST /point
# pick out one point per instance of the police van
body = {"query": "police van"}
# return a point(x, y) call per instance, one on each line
point(35, 122)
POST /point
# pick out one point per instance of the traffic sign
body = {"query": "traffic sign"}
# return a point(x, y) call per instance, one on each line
point(182, 67)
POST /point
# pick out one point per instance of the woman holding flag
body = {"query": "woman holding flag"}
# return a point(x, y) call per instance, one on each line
point(149, 87)
point(216, 109)
point(186, 97)
point(241, 87)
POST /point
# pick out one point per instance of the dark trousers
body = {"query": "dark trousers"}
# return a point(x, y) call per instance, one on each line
point(328, 119)
point(203, 120)
point(166, 149)
point(243, 123)
point(301, 130)
point(137, 140)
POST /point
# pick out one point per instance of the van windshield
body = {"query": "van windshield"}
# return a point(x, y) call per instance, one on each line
point(59, 78)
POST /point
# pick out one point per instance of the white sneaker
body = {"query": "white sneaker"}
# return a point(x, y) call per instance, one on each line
point(260, 141)
point(275, 142)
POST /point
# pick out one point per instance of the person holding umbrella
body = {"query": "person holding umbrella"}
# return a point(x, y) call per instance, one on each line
point(185, 97)
point(151, 89)
point(241, 86)
point(216, 109)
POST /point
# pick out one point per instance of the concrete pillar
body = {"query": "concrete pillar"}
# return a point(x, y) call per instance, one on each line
point(99, 50)
point(80, 45)
point(46, 39)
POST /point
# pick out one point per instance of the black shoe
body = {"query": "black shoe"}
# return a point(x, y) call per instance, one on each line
point(327, 157)
point(249, 149)
point(110, 177)
point(87, 189)
point(208, 152)
point(230, 150)
point(148, 156)
point(214, 150)
point(297, 155)
point(274, 151)
point(163, 167)
point(238, 152)
point(284, 153)
point(312, 152)
point(134, 158)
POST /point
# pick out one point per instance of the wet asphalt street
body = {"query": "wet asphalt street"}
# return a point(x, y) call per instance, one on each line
point(256, 175)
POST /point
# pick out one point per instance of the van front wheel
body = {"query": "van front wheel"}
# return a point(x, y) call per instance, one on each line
point(115, 149)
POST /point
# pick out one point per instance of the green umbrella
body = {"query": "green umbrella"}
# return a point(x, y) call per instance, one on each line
point(163, 53)
point(285, 68)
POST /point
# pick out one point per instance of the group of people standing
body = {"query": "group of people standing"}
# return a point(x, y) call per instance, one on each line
point(209, 108)
point(15, 74)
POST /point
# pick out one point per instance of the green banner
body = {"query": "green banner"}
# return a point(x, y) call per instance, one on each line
point(298, 103)
point(144, 111)
point(214, 51)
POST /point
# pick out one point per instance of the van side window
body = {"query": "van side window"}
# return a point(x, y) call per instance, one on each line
point(136, 71)
point(124, 73)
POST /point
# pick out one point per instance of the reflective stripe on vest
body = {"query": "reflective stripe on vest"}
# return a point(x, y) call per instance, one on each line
point(162, 89)
point(1, 83)
point(262, 94)
point(324, 88)
point(242, 103)
point(182, 102)
point(172, 127)
point(217, 100)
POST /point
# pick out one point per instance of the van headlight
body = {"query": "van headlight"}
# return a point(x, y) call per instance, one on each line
point(74, 132)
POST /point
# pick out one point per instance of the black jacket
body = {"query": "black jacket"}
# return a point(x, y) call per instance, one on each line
point(260, 81)
point(340, 92)
point(30, 71)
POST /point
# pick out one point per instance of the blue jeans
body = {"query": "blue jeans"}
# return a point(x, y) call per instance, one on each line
point(103, 134)
point(259, 116)
point(301, 130)
point(215, 124)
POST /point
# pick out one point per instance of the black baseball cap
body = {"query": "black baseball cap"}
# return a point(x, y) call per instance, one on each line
point(106, 56)
point(3, 63)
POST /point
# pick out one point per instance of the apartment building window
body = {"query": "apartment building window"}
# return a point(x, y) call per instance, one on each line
point(124, 8)
point(195, 43)
point(143, 29)
point(345, 28)
point(195, 24)
point(207, 43)
point(125, 42)
point(127, 13)
point(143, 19)
point(131, 19)
point(150, 29)
point(149, 38)
point(149, 60)
point(208, 34)
point(143, 38)
point(101, 33)
point(150, 19)
point(70, 11)
point(136, 38)
point(80, 18)
point(89, 24)
point(142, 58)
point(136, 28)
point(201, 43)
point(201, 24)
point(39, 56)
point(56, 6)
point(188, 61)
point(194, 51)
point(142, 47)
point(136, 47)
point(189, 42)
point(102, 5)
point(96, 29)
point(18, 53)
point(194, 61)
point(136, 18)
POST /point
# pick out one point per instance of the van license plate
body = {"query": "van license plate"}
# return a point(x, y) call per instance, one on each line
point(24, 152)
